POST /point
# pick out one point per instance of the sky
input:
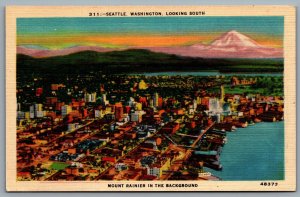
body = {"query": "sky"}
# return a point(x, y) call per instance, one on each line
point(122, 32)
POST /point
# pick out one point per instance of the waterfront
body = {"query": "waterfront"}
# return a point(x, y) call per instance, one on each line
point(254, 153)
point(209, 73)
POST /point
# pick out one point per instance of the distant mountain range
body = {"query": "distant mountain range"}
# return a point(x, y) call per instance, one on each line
point(137, 61)
point(229, 45)
point(42, 53)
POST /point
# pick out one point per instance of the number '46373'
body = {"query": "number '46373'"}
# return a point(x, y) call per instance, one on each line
point(268, 183)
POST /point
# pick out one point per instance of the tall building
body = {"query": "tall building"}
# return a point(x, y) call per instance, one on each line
point(195, 104)
point(38, 107)
point(127, 109)
point(18, 106)
point(136, 116)
point(90, 98)
point(97, 113)
point(198, 100)
point(104, 100)
point(119, 112)
point(191, 109)
point(222, 94)
point(214, 105)
point(31, 111)
point(54, 87)
point(151, 103)
point(36, 110)
point(205, 101)
point(160, 102)
point(102, 88)
point(143, 85)
point(138, 106)
point(65, 110)
point(143, 101)
point(39, 91)
point(155, 100)
point(93, 97)
point(131, 102)
point(104, 97)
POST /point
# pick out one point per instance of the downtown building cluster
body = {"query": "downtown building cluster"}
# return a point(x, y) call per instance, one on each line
point(132, 127)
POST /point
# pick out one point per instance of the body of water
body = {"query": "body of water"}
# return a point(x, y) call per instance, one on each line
point(253, 153)
point(209, 73)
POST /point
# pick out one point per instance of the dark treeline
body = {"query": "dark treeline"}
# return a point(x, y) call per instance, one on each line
point(134, 61)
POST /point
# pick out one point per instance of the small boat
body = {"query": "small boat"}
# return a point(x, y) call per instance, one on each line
point(204, 174)
point(225, 140)
point(214, 165)
point(244, 125)
point(219, 132)
point(240, 124)
point(256, 120)
point(208, 153)
point(251, 123)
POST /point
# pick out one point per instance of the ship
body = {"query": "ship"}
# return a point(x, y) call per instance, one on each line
point(204, 174)
point(206, 153)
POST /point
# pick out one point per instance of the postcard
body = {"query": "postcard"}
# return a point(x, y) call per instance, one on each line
point(157, 98)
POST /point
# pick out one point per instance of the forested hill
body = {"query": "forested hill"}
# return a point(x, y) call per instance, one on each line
point(135, 61)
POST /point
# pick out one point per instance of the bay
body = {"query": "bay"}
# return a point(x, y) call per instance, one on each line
point(253, 153)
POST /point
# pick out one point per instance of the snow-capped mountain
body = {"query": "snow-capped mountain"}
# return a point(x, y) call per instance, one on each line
point(229, 45)
point(234, 39)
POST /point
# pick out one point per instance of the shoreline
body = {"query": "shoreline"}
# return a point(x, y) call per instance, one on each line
point(242, 133)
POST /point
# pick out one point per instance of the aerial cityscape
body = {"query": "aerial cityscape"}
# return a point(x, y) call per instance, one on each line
point(182, 103)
